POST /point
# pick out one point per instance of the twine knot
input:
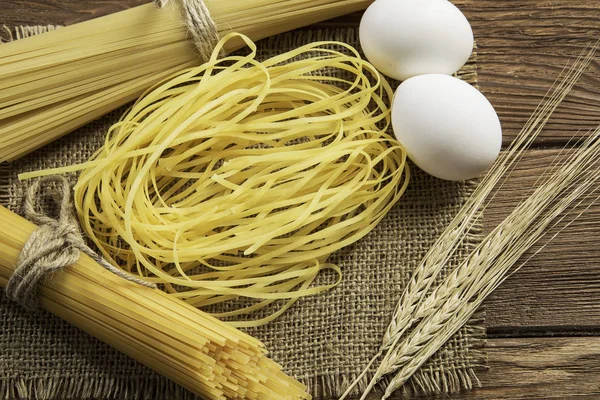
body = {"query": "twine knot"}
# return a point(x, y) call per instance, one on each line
point(200, 25)
point(54, 245)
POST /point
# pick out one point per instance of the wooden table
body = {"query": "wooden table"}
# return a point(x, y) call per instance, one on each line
point(544, 322)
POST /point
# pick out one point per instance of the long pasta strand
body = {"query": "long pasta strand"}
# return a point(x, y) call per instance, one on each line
point(55, 82)
point(186, 345)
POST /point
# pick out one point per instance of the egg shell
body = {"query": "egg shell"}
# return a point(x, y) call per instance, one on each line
point(405, 38)
point(448, 128)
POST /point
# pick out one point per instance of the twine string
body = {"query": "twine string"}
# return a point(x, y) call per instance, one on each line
point(200, 25)
point(54, 245)
point(57, 243)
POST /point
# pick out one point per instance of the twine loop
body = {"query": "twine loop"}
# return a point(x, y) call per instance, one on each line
point(54, 245)
point(200, 25)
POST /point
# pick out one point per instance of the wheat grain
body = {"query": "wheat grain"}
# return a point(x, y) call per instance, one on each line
point(409, 309)
point(446, 245)
point(452, 303)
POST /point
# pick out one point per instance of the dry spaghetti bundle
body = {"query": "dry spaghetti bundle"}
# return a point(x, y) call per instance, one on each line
point(56, 82)
point(240, 177)
point(178, 341)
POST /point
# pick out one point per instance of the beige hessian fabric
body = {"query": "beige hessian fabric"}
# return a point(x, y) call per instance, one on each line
point(324, 340)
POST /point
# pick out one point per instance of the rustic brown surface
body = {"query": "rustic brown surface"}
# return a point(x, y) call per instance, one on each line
point(59, 12)
point(557, 290)
point(522, 45)
point(536, 368)
point(541, 368)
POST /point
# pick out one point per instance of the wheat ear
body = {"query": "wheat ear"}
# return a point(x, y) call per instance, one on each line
point(439, 254)
point(450, 305)
point(445, 246)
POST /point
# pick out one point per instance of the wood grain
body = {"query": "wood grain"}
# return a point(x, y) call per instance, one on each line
point(535, 369)
point(523, 46)
point(59, 12)
point(540, 368)
point(557, 290)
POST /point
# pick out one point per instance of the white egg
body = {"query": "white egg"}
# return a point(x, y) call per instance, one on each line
point(448, 128)
point(405, 38)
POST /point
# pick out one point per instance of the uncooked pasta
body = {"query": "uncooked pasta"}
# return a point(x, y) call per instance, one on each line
point(55, 82)
point(234, 181)
point(191, 348)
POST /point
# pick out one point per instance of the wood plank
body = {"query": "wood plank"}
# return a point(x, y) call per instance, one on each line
point(523, 46)
point(559, 288)
point(534, 369)
point(555, 290)
point(541, 368)
point(558, 31)
point(59, 12)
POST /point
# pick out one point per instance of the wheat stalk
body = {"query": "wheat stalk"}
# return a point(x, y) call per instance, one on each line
point(446, 245)
point(452, 303)
point(450, 306)
point(408, 310)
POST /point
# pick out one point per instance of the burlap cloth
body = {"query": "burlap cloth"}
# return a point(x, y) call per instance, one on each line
point(324, 340)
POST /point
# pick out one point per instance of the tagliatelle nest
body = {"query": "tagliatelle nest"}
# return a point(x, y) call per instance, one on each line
point(240, 177)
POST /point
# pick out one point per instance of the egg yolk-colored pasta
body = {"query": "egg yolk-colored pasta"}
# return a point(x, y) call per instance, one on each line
point(236, 180)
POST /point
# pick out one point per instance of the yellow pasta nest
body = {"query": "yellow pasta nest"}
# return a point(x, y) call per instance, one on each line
point(240, 178)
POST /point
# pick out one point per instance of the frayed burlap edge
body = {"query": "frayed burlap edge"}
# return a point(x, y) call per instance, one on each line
point(23, 31)
point(428, 380)
point(61, 387)
point(424, 381)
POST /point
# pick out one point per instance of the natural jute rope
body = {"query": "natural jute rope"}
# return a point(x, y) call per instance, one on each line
point(53, 246)
point(200, 25)
point(58, 243)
